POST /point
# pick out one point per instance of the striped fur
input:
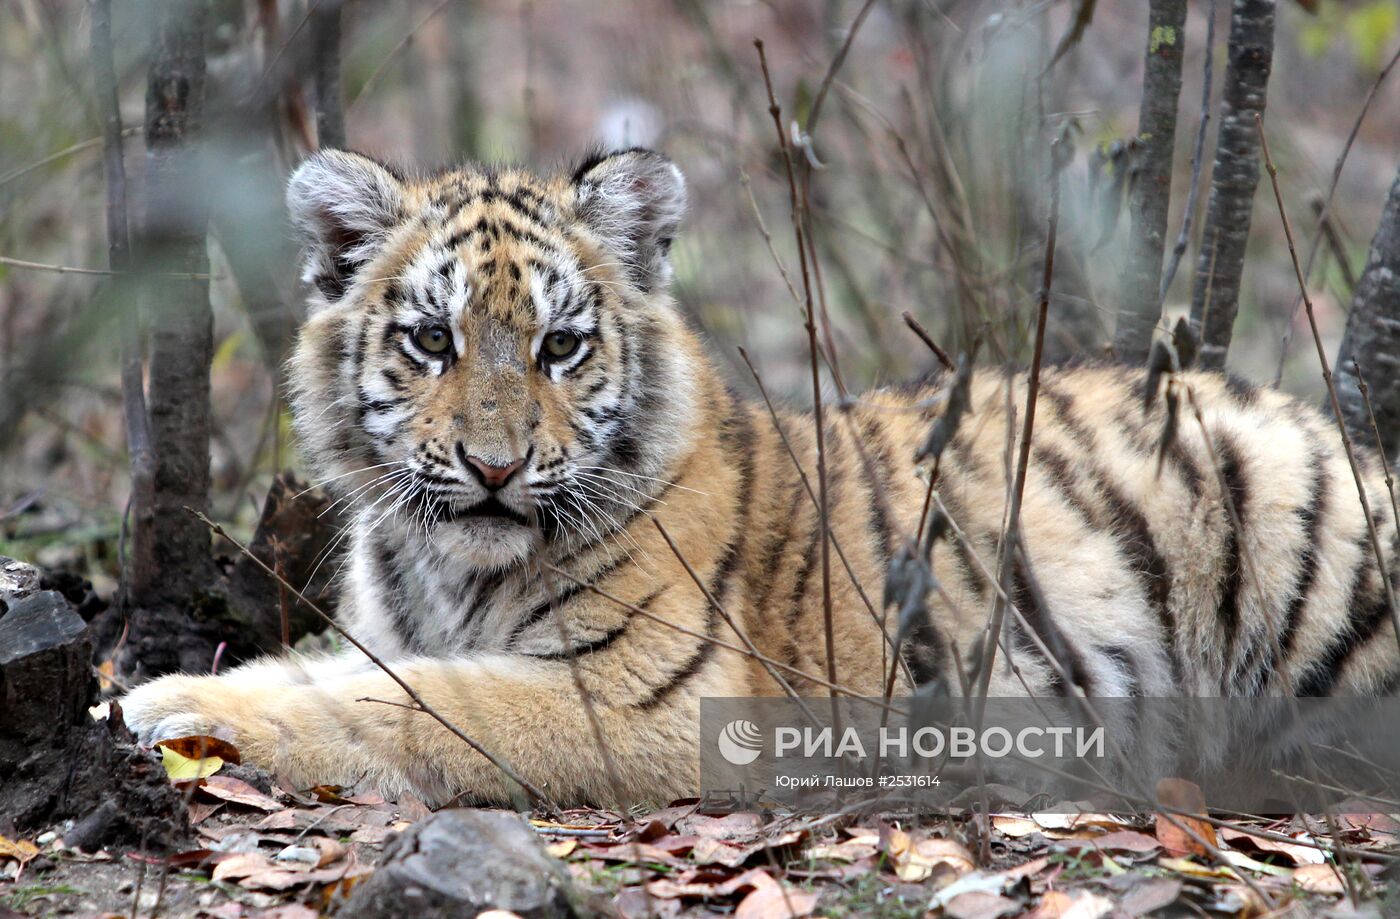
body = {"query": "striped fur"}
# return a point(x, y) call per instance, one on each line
point(1138, 576)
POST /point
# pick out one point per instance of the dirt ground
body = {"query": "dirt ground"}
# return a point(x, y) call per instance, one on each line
point(260, 850)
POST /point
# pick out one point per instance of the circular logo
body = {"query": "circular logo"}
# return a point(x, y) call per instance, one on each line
point(740, 742)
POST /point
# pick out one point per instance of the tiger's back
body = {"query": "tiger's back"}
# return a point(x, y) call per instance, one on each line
point(1136, 566)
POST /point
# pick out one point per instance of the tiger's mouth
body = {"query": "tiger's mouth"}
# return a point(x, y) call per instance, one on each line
point(487, 511)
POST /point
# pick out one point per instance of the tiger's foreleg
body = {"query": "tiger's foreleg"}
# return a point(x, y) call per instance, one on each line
point(340, 721)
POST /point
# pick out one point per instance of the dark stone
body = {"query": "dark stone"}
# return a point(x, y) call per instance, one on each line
point(461, 863)
point(17, 580)
point(56, 762)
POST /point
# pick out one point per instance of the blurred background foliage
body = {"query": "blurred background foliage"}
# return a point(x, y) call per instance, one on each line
point(942, 109)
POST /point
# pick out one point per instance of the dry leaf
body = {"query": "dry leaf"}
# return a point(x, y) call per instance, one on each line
point(1015, 827)
point(1297, 853)
point(562, 848)
point(1319, 879)
point(1181, 795)
point(915, 860)
point(20, 850)
point(1118, 841)
point(852, 850)
point(980, 905)
point(199, 745)
point(1240, 860)
point(1196, 869)
point(1076, 904)
point(181, 768)
point(1150, 895)
point(237, 791)
point(771, 899)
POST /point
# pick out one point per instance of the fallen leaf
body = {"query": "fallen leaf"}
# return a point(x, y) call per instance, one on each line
point(410, 808)
point(1184, 796)
point(180, 768)
point(1240, 860)
point(1076, 904)
point(329, 794)
point(201, 745)
point(20, 850)
point(237, 791)
point(562, 848)
point(741, 826)
point(915, 860)
point(1319, 879)
point(772, 899)
point(1118, 841)
point(1295, 852)
point(1150, 895)
point(1196, 869)
point(980, 905)
point(1015, 827)
point(201, 811)
point(972, 882)
point(240, 866)
point(852, 850)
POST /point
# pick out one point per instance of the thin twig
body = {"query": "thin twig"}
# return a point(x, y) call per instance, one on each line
point(833, 688)
point(819, 421)
point(918, 329)
point(58, 155)
point(412, 693)
point(1018, 488)
point(1331, 388)
point(812, 494)
point(718, 607)
point(104, 272)
point(394, 52)
point(836, 63)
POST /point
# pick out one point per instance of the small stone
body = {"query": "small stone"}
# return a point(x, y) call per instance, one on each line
point(17, 580)
point(463, 863)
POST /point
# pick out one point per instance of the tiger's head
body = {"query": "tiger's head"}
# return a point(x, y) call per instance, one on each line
point(491, 359)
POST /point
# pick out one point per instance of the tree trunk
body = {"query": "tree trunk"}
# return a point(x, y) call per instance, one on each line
point(1216, 292)
point(165, 586)
point(1139, 306)
point(1372, 337)
point(325, 55)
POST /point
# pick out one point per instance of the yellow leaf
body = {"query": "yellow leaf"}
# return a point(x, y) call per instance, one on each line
point(1186, 866)
point(18, 849)
point(183, 769)
point(561, 848)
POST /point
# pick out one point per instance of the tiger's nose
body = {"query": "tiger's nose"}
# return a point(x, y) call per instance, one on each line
point(488, 474)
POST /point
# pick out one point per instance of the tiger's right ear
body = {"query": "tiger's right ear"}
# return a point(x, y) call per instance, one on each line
point(343, 205)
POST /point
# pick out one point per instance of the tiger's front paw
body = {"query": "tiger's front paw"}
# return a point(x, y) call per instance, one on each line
point(179, 706)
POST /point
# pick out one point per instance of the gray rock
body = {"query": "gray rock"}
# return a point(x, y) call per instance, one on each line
point(461, 863)
point(17, 580)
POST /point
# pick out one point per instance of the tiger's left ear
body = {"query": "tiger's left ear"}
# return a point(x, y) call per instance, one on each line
point(633, 201)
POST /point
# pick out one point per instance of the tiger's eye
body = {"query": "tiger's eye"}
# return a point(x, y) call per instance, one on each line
point(559, 345)
point(434, 339)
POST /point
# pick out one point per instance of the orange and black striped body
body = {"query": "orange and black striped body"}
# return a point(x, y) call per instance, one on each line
point(495, 382)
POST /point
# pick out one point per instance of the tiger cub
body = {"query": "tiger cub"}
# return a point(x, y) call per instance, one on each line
point(494, 378)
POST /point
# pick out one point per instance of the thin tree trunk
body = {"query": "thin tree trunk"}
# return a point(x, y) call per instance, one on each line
point(325, 54)
point(1138, 303)
point(1372, 336)
point(138, 554)
point(181, 348)
point(1216, 291)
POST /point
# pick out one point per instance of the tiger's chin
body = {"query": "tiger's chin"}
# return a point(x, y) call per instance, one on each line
point(487, 542)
